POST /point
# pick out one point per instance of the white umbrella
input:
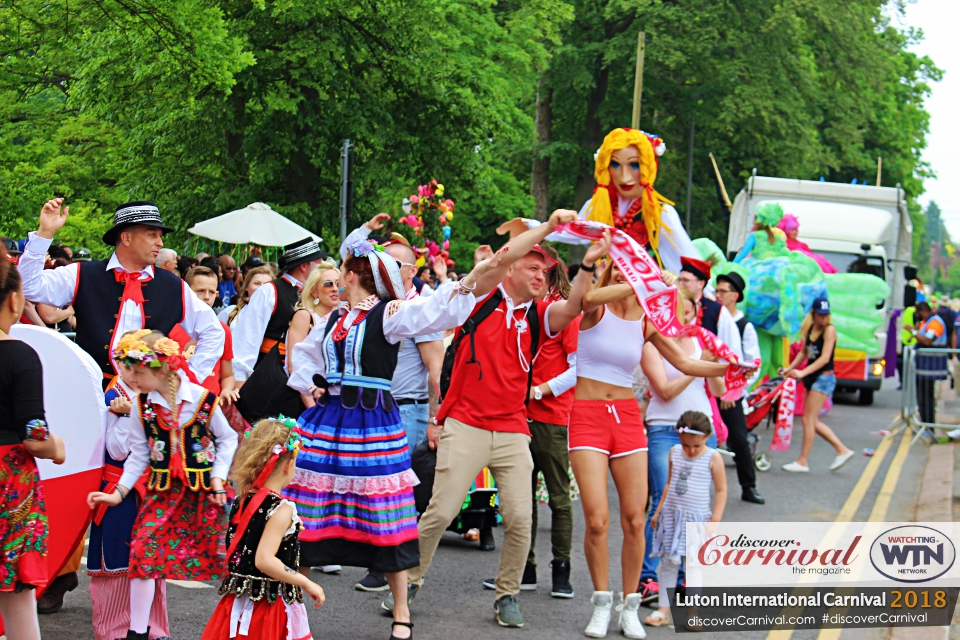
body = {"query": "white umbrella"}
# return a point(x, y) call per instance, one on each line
point(254, 224)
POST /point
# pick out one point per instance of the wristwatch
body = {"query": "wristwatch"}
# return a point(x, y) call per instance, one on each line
point(537, 394)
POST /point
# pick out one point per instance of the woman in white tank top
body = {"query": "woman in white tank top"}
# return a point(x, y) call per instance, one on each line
point(606, 436)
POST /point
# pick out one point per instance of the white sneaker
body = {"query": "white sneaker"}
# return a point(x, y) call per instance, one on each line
point(839, 461)
point(954, 435)
point(793, 467)
point(600, 622)
point(331, 568)
point(630, 624)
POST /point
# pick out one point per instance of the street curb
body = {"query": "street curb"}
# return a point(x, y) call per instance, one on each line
point(935, 504)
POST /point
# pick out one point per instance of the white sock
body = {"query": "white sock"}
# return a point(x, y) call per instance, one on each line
point(141, 601)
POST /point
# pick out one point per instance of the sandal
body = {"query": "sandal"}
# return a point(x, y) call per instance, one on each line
point(656, 619)
point(408, 625)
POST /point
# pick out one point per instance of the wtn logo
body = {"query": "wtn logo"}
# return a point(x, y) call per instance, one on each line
point(912, 553)
point(899, 554)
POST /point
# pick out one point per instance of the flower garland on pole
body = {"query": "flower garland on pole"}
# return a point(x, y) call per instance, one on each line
point(429, 215)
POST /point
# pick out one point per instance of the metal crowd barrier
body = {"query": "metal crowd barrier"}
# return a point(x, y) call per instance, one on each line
point(909, 401)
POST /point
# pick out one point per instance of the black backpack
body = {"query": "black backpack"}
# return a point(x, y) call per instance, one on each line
point(469, 328)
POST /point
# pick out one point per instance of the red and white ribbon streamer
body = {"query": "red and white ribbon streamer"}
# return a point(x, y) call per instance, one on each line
point(783, 430)
point(659, 301)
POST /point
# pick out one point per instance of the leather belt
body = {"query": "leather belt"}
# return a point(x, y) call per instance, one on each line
point(405, 401)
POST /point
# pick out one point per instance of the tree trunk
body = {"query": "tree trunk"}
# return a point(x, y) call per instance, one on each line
point(540, 178)
point(592, 138)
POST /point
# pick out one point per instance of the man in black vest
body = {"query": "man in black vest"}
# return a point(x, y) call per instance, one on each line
point(264, 320)
point(729, 292)
point(121, 294)
point(112, 297)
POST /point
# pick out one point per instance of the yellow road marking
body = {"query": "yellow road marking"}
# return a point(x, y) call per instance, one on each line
point(880, 507)
point(850, 507)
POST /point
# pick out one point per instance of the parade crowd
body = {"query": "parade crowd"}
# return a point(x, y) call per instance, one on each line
point(266, 420)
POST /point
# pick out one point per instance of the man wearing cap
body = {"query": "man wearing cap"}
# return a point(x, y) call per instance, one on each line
point(123, 293)
point(711, 315)
point(730, 289)
point(483, 417)
point(267, 315)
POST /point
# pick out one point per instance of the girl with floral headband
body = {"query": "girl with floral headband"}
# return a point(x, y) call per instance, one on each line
point(108, 556)
point(262, 589)
point(179, 432)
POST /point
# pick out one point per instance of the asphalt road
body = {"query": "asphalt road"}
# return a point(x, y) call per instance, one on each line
point(453, 604)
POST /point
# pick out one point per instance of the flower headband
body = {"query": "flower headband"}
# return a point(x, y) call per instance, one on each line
point(132, 350)
point(293, 444)
point(374, 252)
point(689, 430)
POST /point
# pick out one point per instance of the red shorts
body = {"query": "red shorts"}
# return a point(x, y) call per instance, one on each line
point(613, 427)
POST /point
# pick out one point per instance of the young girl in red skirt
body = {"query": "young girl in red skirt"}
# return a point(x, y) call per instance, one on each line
point(23, 437)
point(177, 430)
point(108, 556)
point(262, 590)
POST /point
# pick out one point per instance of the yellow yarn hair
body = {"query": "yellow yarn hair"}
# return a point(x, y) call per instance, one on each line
point(652, 204)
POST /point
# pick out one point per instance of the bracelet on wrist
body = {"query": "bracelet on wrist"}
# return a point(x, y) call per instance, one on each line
point(123, 496)
point(464, 289)
point(589, 269)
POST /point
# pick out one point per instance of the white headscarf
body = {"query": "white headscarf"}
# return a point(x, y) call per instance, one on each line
point(375, 254)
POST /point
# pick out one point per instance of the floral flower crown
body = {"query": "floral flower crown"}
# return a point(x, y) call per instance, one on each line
point(363, 248)
point(132, 350)
point(294, 442)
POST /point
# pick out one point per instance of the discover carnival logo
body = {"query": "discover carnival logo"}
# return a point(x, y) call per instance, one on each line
point(912, 553)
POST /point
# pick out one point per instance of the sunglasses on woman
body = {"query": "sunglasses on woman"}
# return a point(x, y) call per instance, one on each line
point(330, 283)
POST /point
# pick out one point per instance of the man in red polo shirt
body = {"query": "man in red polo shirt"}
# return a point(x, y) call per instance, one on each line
point(484, 414)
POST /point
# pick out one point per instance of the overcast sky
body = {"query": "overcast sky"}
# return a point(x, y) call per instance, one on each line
point(939, 19)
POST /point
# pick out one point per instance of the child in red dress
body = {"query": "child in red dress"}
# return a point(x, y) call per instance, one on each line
point(177, 430)
point(262, 589)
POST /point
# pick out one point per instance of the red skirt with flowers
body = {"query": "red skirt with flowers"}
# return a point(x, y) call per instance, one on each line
point(23, 522)
point(176, 535)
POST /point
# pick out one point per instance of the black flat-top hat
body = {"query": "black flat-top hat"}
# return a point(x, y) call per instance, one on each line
point(301, 251)
point(734, 280)
point(133, 213)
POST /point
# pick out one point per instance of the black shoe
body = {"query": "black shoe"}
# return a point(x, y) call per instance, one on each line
point(561, 580)
point(373, 581)
point(529, 580)
point(490, 583)
point(52, 599)
point(487, 543)
point(750, 494)
point(408, 625)
point(133, 635)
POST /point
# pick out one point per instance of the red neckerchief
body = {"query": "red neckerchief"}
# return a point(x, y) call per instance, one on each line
point(132, 286)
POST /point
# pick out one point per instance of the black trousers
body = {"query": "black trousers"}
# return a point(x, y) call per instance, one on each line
point(926, 400)
point(738, 443)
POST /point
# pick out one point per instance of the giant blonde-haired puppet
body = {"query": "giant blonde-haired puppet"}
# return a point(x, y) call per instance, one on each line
point(626, 169)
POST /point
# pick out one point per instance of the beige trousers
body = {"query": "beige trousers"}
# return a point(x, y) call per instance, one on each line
point(463, 452)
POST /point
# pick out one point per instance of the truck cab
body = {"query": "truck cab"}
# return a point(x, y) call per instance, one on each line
point(860, 229)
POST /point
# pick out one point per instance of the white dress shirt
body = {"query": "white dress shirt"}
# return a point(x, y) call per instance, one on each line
point(728, 332)
point(751, 346)
point(57, 287)
point(188, 396)
point(250, 325)
point(118, 426)
point(445, 309)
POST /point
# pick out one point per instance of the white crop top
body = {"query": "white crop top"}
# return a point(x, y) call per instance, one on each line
point(610, 350)
point(693, 398)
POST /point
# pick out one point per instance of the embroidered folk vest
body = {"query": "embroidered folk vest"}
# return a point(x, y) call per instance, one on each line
point(243, 577)
point(97, 307)
point(287, 298)
point(193, 444)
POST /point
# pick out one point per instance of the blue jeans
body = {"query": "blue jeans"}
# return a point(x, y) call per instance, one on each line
point(660, 439)
point(415, 418)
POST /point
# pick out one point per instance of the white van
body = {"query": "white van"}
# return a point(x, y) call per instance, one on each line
point(859, 228)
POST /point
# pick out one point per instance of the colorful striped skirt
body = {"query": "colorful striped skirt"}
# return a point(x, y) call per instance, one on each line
point(354, 489)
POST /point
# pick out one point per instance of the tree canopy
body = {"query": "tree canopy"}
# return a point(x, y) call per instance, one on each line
point(207, 105)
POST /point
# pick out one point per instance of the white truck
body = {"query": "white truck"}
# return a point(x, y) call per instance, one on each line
point(859, 228)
